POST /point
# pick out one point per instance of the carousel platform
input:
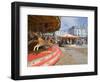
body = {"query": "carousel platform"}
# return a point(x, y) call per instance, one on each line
point(45, 58)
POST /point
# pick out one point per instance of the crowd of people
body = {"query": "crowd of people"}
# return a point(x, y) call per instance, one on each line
point(79, 42)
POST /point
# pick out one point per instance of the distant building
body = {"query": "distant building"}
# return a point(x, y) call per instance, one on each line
point(61, 32)
point(78, 31)
point(81, 32)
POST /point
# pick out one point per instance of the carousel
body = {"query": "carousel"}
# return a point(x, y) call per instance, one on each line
point(42, 50)
point(68, 39)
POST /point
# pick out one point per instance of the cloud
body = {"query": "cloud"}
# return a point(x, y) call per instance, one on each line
point(68, 22)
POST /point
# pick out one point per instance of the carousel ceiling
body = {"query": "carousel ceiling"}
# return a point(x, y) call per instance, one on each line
point(43, 23)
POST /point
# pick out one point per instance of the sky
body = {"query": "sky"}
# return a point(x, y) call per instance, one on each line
point(67, 22)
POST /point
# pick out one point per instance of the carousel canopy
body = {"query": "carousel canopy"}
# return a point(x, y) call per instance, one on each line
point(43, 23)
point(68, 36)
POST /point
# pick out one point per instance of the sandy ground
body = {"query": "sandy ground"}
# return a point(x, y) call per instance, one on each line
point(73, 55)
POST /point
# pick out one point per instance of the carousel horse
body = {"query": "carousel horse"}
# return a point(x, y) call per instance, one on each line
point(41, 42)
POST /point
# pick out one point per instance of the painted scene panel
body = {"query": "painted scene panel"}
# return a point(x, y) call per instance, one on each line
point(57, 40)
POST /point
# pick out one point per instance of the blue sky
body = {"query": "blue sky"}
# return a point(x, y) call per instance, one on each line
point(67, 22)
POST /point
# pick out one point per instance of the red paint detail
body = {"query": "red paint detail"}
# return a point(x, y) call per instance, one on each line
point(46, 60)
point(32, 56)
point(54, 62)
point(54, 49)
